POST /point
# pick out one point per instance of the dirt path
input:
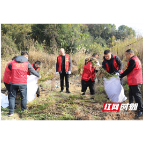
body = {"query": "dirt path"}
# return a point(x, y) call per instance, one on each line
point(81, 109)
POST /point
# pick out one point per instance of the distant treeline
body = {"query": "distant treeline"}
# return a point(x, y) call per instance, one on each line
point(72, 37)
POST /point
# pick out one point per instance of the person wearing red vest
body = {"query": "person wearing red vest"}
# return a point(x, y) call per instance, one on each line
point(87, 79)
point(36, 66)
point(112, 64)
point(135, 79)
point(19, 69)
point(7, 77)
point(63, 67)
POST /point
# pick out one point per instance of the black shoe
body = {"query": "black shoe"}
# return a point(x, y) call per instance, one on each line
point(38, 95)
point(61, 91)
point(68, 91)
point(139, 114)
point(83, 93)
point(9, 114)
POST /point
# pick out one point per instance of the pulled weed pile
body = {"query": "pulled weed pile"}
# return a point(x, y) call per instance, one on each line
point(102, 71)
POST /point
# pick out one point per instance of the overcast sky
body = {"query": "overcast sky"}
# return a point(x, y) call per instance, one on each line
point(137, 27)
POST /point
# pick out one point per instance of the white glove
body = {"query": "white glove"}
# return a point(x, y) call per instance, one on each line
point(97, 63)
point(69, 72)
point(116, 73)
point(57, 73)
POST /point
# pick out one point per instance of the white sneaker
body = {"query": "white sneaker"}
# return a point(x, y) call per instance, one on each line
point(9, 114)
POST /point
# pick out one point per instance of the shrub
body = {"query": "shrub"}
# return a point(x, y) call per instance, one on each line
point(8, 46)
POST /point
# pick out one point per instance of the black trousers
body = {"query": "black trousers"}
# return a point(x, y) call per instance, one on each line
point(38, 92)
point(8, 88)
point(135, 91)
point(62, 75)
point(90, 84)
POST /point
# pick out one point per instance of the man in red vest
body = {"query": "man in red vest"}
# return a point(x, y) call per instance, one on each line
point(7, 77)
point(112, 64)
point(135, 79)
point(36, 66)
point(63, 67)
point(19, 70)
point(87, 79)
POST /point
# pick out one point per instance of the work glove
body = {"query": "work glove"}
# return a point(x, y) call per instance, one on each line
point(117, 73)
point(69, 72)
point(57, 73)
point(97, 63)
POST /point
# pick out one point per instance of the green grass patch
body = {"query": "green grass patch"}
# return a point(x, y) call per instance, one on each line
point(100, 98)
point(67, 117)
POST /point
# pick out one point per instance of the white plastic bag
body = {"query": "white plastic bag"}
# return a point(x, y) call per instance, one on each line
point(31, 91)
point(114, 89)
point(4, 100)
point(31, 87)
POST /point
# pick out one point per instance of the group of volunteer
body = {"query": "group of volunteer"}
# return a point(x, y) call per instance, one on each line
point(15, 79)
point(113, 65)
point(19, 67)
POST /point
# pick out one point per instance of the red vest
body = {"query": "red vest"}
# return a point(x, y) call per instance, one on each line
point(88, 72)
point(66, 62)
point(34, 68)
point(7, 74)
point(115, 65)
point(135, 76)
point(19, 72)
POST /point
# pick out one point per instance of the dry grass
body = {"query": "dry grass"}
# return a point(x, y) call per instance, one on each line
point(136, 44)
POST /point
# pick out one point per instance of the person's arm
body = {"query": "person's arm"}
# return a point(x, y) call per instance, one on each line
point(10, 66)
point(131, 66)
point(70, 63)
point(32, 70)
point(103, 65)
point(38, 70)
point(119, 62)
point(57, 65)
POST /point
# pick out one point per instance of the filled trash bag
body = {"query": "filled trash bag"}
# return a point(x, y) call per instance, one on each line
point(31, 87)
point(4, 100)
point(114, 89)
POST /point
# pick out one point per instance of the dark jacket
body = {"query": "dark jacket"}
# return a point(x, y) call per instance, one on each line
point(22, 59)
point(131, 66)
point(63, 64)
point(112, 69)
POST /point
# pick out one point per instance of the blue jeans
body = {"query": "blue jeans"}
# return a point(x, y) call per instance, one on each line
point(13, 94)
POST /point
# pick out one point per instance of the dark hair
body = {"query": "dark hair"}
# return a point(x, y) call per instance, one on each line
point(14, 58)
point(94, 54)
point(106, 52)
point(24, 53)
point(38, 62)
point(130, 51)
